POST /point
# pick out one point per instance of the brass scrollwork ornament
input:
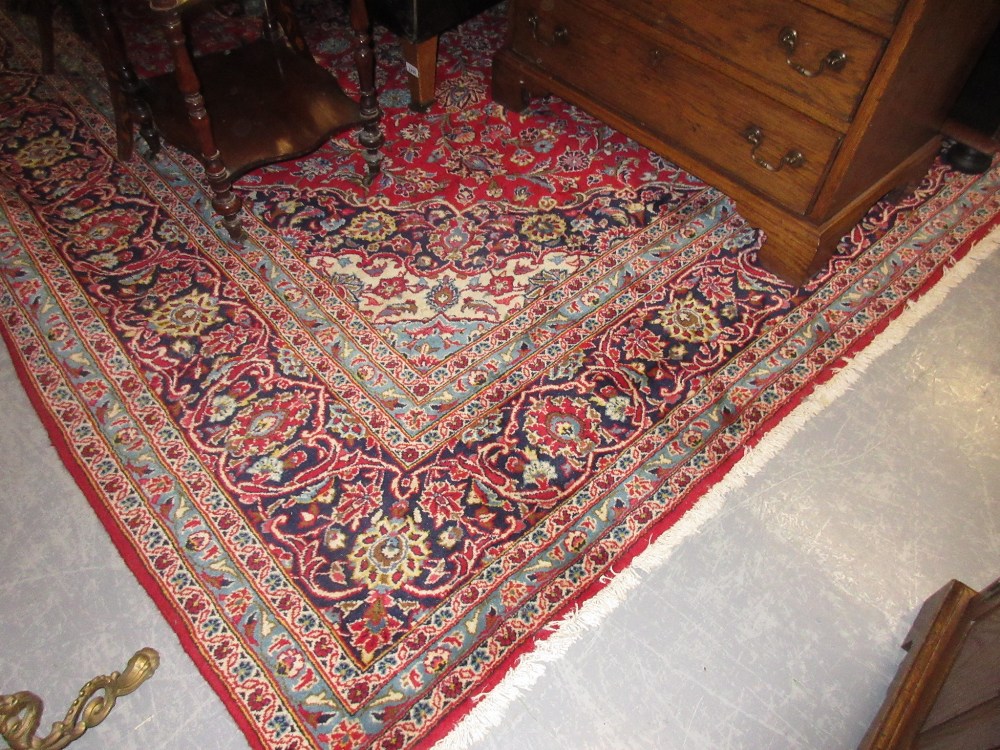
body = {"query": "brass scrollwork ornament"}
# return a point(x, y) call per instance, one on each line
point(21, 712)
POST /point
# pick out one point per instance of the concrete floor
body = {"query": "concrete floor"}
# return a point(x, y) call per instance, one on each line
point(775, 625)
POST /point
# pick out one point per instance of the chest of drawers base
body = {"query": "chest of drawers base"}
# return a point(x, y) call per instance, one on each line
point(803, 145)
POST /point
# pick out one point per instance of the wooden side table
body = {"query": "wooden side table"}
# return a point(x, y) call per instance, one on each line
point(264, 102)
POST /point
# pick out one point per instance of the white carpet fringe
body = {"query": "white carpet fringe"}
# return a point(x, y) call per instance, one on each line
point(491, 707)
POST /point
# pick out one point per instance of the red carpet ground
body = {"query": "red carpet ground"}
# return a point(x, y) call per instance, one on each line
point(364, 461)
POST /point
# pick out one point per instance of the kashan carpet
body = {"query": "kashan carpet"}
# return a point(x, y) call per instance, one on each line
point(370, 460)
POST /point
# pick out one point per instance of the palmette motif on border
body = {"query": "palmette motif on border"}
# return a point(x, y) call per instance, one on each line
point(378, 448)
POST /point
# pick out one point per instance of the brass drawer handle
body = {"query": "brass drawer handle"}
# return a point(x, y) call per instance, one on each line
point(789, 37)
point(754, 135)
point(560, 35)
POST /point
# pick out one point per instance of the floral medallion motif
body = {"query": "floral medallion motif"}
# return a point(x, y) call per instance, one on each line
point(688, 319)
point(368, 456)
point(390, 553)
point(266, 425)
point(563, 426)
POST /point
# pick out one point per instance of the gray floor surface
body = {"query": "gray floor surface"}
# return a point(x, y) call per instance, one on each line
point(777, 625)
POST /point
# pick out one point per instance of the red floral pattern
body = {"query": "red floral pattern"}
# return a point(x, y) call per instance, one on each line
point(372, 452)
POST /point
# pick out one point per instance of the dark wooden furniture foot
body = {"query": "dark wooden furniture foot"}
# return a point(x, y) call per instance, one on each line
point(967, 159)
point(974, 122)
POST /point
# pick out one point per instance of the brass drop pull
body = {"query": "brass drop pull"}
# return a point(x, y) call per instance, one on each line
point(789, 38)
point(754, 135)
point(560, 35)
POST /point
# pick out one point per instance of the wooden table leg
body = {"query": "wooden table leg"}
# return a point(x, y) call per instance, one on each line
point(43, 20)
point(421, 64)
point(129, 109)
point(371, 114)
point(225, 201)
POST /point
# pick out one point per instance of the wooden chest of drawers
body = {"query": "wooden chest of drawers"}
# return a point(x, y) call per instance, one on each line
point(805, 112)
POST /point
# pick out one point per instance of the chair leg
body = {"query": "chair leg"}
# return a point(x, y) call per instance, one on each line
point(225, 201)
point(282, 11)
point(43, 19)
point(421, 65)
point(122, 82)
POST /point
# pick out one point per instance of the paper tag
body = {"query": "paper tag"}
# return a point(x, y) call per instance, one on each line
point(412, 70)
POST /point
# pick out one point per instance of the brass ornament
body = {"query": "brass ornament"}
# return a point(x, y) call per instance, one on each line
point(755, 137)
point(21, 712)
point(835, 59)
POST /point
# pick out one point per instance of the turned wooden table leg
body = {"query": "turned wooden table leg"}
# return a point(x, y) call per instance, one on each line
point(225, 201)
point(364, 58)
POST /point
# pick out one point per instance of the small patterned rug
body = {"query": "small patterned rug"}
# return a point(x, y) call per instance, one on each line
point(366, 461)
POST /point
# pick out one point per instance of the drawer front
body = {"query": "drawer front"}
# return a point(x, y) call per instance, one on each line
point(884, 10)
point(818, 58)
point(700, 111)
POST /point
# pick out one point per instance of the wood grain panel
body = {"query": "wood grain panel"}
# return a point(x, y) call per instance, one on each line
point(748, 35)
point(700, 111)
